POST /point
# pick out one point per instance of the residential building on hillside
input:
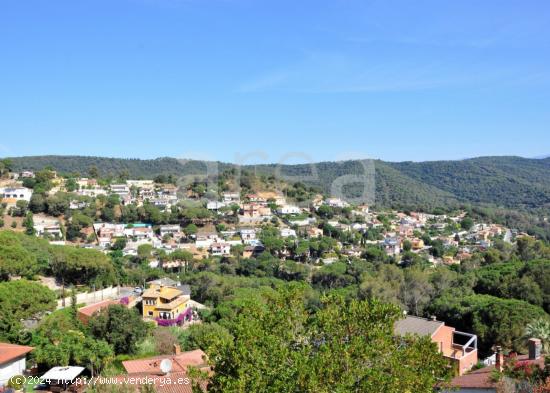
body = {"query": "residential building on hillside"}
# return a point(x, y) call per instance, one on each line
point(10, 195)
point(44, 225)
point(459, 347)
point(247, 234)
point(181, 361)
point(85, 313)
point(169, 230)
point(215, 205)
point(92, 192)
point(121, 190)
point(231, 197)
point(142, 184)
point(220, 249)
point(13, 361)
point(150, 369)
point(287, 232)
point(336, 202)
point(483, 381)
point(139, 231)
point(164, 302)
point(288, 209)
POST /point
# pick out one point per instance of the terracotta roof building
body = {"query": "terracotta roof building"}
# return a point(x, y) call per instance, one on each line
point(176, 380)
point(460, 348)
point(481, 381)
point(85, 313)
point(12, 361)
point(180, 362)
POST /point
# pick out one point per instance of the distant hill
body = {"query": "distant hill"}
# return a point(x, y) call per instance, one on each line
point(136, 168)
point(510, 182)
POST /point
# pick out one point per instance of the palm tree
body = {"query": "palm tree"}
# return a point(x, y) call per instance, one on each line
point(539, 328)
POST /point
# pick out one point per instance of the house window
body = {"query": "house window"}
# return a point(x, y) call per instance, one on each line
point(150, 313)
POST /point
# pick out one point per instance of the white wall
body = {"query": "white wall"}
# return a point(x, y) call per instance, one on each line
point(8, 370)
point(90, 297)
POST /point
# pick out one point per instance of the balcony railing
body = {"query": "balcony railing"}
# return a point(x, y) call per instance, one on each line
point(463, 344)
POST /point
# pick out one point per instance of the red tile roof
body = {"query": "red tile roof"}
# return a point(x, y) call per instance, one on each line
point(480, 379)
point(180, 363)
point(9, 352)
point(93, 308)
point(476, 379)
point(174, 382)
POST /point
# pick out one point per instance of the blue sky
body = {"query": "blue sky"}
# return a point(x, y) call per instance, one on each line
point(271, 81)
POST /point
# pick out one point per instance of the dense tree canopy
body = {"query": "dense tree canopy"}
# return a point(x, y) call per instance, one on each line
point(494, 320)
point(120, 327)
point(79, 265)
point(21, 299)
point(279, 346)
point(517, 280)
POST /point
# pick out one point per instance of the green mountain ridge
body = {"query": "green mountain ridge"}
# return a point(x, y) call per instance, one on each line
point(504, 181)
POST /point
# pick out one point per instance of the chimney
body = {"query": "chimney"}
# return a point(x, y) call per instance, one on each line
point(177, 349)
point(499, 364)
point(433, 318)
point(535, 347)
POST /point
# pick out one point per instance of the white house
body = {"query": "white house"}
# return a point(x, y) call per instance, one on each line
point(109, 230)
point(215, 205)
point(75, 205)
point(231, 197)
point(13, 361)
point(288, 209)
point(45, 226)
point(287, 232)
point(359, 226)
point(220, 249)
point(139, 232)
point(11, 195)
point(206, 239)
point(169, 230)
point(143, 184)
point(122, 190)
point(104, 242)
point(92, 192)
point(303, 222)
point(336, 202)
point(248, 234)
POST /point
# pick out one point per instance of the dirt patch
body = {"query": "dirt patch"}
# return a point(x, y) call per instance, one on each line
point(8, 220)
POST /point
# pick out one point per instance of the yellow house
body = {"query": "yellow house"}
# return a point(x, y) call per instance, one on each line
point(163, 302)
point(417, 244)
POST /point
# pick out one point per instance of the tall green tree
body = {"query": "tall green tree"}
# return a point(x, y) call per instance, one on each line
point(21, 299)
point(121, 327)
point(279, 346)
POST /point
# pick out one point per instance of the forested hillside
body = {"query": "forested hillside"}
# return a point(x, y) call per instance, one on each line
point(508, 182)
point(504, 181)
point(105, 166)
